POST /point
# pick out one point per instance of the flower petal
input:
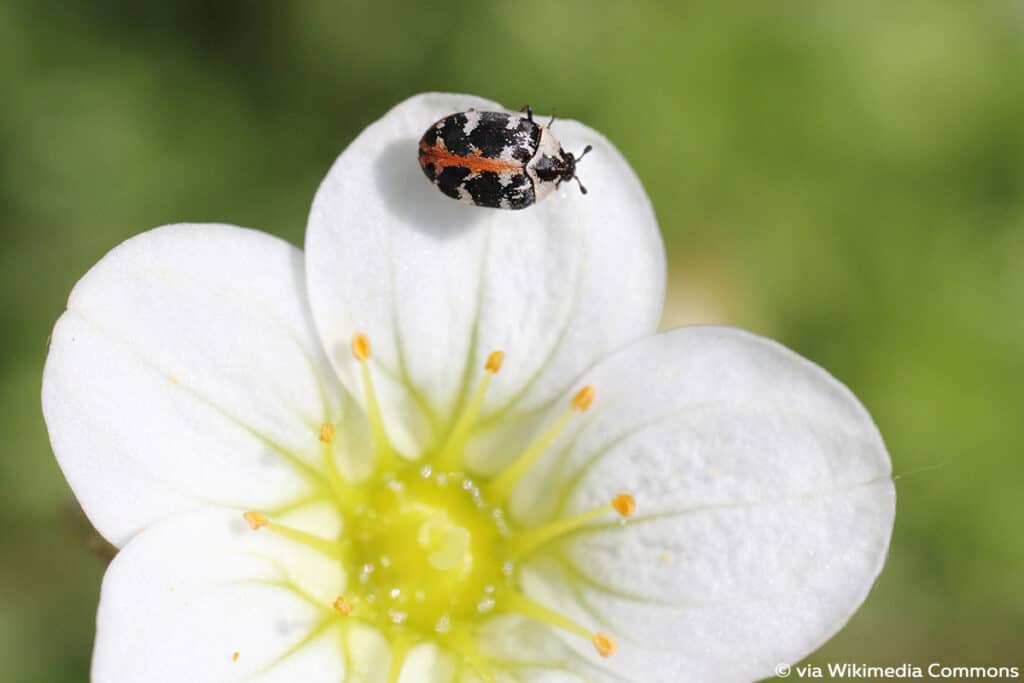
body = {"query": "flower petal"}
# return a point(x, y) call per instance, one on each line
point(188, 593)
point(437, 285)
point(765, 507)
point(185, 372)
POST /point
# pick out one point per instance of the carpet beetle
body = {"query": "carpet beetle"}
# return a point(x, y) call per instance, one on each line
point(496, 159)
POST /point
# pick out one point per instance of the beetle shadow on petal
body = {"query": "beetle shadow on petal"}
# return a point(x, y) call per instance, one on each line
point(412, 199)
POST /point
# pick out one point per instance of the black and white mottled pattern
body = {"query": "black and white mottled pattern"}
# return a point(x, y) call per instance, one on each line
point(495, 134)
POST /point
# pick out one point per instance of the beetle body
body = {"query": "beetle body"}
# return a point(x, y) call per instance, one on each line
point(494, 159)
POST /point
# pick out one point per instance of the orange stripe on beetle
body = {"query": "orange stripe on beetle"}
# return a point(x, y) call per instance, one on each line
point(476, 162)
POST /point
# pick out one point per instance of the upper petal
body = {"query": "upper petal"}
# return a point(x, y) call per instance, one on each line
point(185, 372)
point(437, 285)
point(765, 507)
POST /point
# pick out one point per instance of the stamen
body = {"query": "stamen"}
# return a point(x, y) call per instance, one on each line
point(450, 457)
point(360, 346)
point(520, 604)
point(624, 504)
point(399, 649)
point(494, 361)
point(327, 432)
point(258, 520)
point(386, 458)
point(526, 542)
point(234, 657)
point(255, 520)
point(342, 606)
point(501, 486)
point(583, 398)
point(604, 644)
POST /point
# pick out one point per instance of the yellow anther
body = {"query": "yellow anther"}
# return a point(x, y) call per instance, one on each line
point(583, 398)
point(327, 432)
point(342, 606)
point(604, 644)
point(234, 657)
point(494, 361)
point(624, 504)
point(255, 520)
point(360, 346)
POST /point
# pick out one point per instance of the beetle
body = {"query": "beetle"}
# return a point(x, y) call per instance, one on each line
point(496, 159)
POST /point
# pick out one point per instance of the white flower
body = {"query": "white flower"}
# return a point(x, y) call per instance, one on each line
point(294, 504)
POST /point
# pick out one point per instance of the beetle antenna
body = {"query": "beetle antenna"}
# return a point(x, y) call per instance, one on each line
point(577, 179)
point(584, 153)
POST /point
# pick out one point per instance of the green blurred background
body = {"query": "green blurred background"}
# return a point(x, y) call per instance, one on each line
point(845, 176)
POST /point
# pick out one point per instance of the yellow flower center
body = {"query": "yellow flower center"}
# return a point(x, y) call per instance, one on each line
point(429, 551)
